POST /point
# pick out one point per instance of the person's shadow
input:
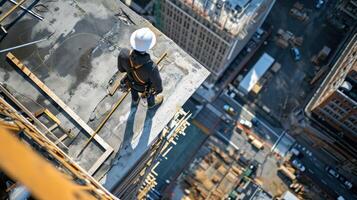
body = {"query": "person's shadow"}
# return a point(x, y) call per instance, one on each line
point(126, 147)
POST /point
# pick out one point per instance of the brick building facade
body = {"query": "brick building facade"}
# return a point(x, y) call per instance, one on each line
point(334, 109)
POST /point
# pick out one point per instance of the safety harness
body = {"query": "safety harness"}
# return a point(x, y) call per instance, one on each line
point(132, 71)
point(133, 80)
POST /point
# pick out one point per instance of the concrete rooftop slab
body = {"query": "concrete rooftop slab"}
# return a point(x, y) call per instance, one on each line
point(77, 61)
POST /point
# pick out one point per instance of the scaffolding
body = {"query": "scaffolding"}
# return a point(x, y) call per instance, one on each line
point(142, 178)
point(62, 179)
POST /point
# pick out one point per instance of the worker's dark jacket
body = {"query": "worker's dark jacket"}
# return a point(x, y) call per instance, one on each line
point(146, 70)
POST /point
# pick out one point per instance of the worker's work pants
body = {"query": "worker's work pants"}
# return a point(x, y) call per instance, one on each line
point(135, 97)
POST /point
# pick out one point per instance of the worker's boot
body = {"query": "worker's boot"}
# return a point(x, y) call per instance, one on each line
point(158, 99)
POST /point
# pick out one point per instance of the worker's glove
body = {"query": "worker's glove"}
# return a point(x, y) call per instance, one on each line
point(124, 86)
point(148, 93)
point(145, 94)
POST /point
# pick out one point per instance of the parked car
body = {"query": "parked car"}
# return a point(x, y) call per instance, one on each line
point(298, 165)
point(347, 184)
point(246, 123)
point(332, 172)
point(254, 165)
point(295, 52)
point(231, 94)
point(287, 173)
point(319, 4)
point(252, 168)
point(255, 121)
point(229, 110)
point(243, 161)
point(257, 144)
point(296, 153)
point(340, 198)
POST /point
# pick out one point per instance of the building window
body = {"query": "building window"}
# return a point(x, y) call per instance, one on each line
point(201, 35)
point(326, 109)
point(215, 45)
point(337, 101)
point(216, 63)
point(209, 40)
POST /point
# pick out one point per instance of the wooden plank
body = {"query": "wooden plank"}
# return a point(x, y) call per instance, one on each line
point(27, 10)
point(11, 10)
point(115, 85)
point(27, 112)
point(52, 116)
point(53, 127)
point(100, 161)
point(57, 123)
point(117, 104)
point(67, 109)
point(63, 137)
point(48, 114)
point(56, 99)
point(92, 186)
point(39, 112)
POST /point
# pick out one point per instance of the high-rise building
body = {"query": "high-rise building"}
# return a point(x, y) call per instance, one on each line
point(337, 102)
point(334, 108)
point(347, 11)
point(211, 31)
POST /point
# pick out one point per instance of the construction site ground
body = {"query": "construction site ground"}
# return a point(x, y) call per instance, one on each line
point(290, 87)
point(289, 90)
point(267, 174)
point(268, 163)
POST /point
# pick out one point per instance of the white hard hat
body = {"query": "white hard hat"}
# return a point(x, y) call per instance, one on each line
point(142, 39)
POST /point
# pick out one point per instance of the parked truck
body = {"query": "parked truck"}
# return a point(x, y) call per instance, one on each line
point(286, 172)
point(256, 73)
point(255, 142)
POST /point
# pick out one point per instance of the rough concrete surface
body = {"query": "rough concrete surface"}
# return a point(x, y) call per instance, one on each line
point(78, 60)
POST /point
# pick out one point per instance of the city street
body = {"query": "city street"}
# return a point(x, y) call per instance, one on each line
point(290, 87)
point(271, 135)
point(285, 91)
point(315, 170)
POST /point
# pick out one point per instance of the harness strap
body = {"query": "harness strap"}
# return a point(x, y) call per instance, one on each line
point(134, 67)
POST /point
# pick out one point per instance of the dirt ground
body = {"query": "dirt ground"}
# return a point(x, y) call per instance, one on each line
point(271, 182)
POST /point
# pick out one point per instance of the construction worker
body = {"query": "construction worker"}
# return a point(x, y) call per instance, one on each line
point(142, 74)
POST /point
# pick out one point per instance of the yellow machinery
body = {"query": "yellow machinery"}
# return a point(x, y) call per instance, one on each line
point(61, 178)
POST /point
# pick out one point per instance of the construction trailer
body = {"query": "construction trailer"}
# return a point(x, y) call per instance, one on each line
point(256, 73)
